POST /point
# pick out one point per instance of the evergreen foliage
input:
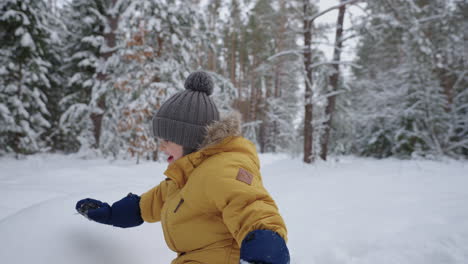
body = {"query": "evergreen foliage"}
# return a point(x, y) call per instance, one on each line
point(27, 75)
point(409, 98)
point(87, 76)
point(94, 39)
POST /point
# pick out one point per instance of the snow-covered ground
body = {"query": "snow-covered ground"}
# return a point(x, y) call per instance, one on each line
point(349, 210)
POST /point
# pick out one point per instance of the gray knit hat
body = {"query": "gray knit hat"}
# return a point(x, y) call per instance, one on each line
point(183, 118)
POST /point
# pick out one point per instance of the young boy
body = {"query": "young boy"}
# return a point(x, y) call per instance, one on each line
point(212, 205)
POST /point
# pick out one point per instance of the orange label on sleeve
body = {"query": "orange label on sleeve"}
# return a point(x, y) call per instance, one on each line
point(244, 176)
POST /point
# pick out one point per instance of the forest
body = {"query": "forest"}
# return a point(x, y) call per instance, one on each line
point(86, 76)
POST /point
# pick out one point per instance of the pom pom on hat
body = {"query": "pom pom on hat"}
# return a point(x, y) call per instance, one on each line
point(199, 81)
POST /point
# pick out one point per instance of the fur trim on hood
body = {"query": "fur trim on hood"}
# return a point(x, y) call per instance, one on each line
point(228, 126)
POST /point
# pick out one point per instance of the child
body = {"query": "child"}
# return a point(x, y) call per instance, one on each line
point(212, 205)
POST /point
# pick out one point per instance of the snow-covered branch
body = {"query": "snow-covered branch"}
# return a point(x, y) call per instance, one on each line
point(349, 63)
point(312, 18)
point(286, 52)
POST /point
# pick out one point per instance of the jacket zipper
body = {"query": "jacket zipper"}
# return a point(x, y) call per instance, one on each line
point(178, 205)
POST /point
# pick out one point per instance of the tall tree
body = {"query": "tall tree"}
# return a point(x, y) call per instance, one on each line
point(94, 40)
point(331, 100)
point(26, 74)
point(308, 108)
point(404, 102)
point(313, 60)
point(233, 35)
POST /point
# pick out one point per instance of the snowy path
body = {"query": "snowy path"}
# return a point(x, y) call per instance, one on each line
point(352, 211)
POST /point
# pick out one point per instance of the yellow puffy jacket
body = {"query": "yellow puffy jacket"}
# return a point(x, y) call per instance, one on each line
point(212, 198)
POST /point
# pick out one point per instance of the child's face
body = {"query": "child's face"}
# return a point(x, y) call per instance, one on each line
point(172, 150)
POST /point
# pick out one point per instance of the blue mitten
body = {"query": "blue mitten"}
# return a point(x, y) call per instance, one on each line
point(264, 247)
point(123, 213)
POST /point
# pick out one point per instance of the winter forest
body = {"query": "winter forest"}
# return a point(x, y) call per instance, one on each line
point(358, 110)
point(87, 76)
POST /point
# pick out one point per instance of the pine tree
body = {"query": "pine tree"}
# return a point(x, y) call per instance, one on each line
point(280, 73)
point(266, 88)
point(308, 9)
point(260, 44)
point(95, 37)
point(404, 94)
point(56, 140)
point(26, 75)
point(334, 82)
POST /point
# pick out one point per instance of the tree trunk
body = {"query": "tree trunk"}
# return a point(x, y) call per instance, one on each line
point(213, 16)
point(308, 136)
point(232, 73)
point(447, 81)
point(263, 108)
point(253, 98)
point(96, 118)
point(241, 69)
point(280, 36)
point(211, 61)
point(110, 38)
point(331, 101)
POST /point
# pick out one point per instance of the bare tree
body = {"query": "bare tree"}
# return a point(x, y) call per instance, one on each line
point(308, 136)
point(331, 100)
point(308, 67)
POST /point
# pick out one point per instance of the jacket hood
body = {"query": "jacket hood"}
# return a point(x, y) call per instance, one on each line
point(221, 136)
point(229, 126)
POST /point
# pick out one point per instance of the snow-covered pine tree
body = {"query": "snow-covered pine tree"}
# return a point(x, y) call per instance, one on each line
point(285, 105)
point(95, 37)
point(259, 42)
point(133, 122)
point(80, 66)
point(404, 101)
point(314, 72)
point(55, 138)
point(26, 76)
point(279, 103)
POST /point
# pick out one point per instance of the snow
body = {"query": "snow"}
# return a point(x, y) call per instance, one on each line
point(95, 41)
point(347, 210)
point(174, 39)
point(26, 41)
point(14, 15)
point(19, 31)
point(4, 110)
point(154, 23)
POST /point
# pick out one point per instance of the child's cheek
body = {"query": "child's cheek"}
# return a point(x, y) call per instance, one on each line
point(181, 151)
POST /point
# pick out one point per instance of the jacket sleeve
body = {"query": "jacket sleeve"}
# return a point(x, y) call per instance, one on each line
point(244, 207)
point(152, 202)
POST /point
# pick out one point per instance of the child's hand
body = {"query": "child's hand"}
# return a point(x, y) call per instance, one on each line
point(264, 246)
point(94, 210)
point(123, 213)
